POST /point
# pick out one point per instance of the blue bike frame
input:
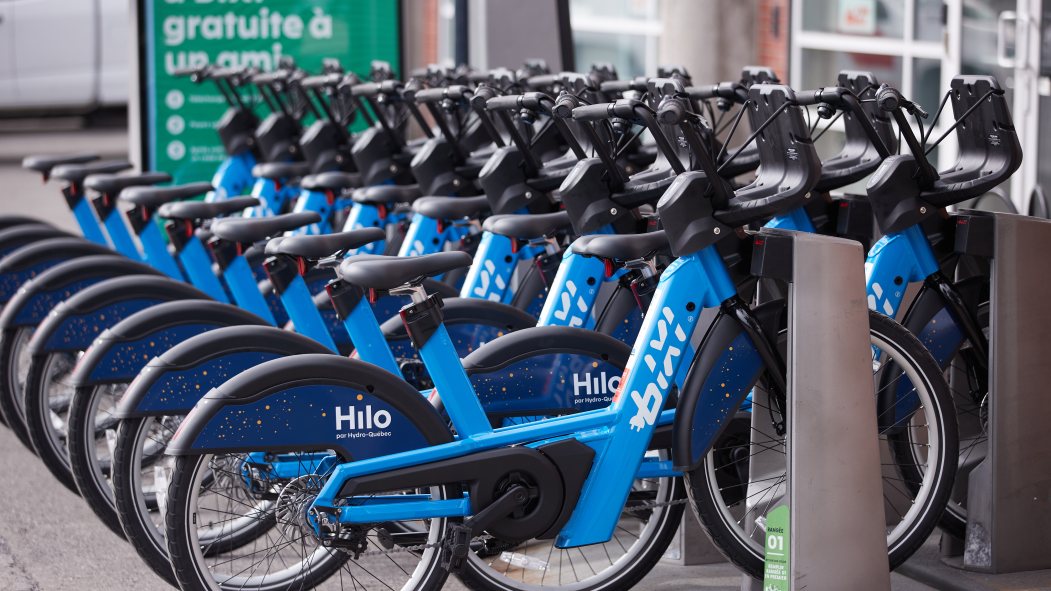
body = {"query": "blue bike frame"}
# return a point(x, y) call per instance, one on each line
point(618, 433)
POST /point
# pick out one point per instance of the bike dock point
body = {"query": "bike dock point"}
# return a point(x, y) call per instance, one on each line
point(1009, 492)
point(834, 532)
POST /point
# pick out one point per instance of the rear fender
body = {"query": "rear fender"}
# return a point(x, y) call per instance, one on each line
point(121, 351)
point(31, 304)
point(471, 323)
point(15, 237)
point(76, 322)
point(546, 370)
point(33, 259)
point(311, 403)
point(724, 370)
point(173, 382)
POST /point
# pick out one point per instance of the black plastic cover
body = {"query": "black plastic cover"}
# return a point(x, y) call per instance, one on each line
point(894, 194)
point(687, 215)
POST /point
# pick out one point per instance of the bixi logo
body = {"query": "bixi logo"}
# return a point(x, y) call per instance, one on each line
point(566, 313)
point(354, 419)
point(659, 379)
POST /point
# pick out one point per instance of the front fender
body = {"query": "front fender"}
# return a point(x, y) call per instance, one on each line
point(311, 403)
point(173, 382)
point(941, 334)
point(74, 324)
point(724, 370)
point(121, 351)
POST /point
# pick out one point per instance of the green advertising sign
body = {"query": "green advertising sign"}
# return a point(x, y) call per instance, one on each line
point(777, 565)
point(178, 116)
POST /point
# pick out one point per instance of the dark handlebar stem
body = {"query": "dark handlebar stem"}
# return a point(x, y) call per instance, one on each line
point(890, 99)
point(843, 99)
point(637, 112)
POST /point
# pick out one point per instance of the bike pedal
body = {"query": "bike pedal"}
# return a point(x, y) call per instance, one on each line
point(457, 545)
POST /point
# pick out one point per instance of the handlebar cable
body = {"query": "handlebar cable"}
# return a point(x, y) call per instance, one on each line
point(784, 106)
point(966, 114)
point(733, 130)
point(831, 122)
point(937, 115)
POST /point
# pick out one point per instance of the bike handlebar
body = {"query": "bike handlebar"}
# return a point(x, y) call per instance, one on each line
point(731, 91)
point(531, 100)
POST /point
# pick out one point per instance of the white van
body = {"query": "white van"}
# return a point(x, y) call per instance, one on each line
point(64, 55)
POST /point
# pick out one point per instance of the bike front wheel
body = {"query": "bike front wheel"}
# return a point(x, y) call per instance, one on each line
point(734, 513)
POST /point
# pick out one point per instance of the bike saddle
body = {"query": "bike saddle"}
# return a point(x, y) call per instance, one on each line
point(989, 149)
point(277, 171)
point(789, 165)
point(200, 210)
point(388, 272)
point(385, 194)
point(76, 173)
point(527, 226)
point(251, 230)
point(335, 181)
point(451, 208)
point(623, 247)
point(112, 184)
point(44, 163)
point(324, 245)
point(154, 197)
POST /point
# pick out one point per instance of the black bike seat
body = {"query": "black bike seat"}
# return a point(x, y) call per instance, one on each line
point(251, 230)
point(623, 247)
point(525, 226)
point(387, 272)
point(154, 197)
point(76, 173)
point(451, 208)
point(201, 210)
point(112, 184)
point(384, 194)
point(324, 245)
point(335, 181)
point(43, 163)
point(280, 170)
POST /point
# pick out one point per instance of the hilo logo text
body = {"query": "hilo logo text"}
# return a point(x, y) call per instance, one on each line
point(601, 386)
point(362, 420)
point(659, 380)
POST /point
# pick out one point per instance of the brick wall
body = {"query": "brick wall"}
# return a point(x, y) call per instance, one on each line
point(772, 36)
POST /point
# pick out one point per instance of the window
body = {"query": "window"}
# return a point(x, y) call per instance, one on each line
point(621, 32)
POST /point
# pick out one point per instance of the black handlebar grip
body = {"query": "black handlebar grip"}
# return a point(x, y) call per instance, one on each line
point(593, 112)
point(321, 80)
point(183, 72)
point(542, 80)
point(366, 89)
point(504, 103)
point(615, 85)
point(808, 97)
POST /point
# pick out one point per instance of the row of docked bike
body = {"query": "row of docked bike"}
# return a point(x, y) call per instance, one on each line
point(498, 367)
